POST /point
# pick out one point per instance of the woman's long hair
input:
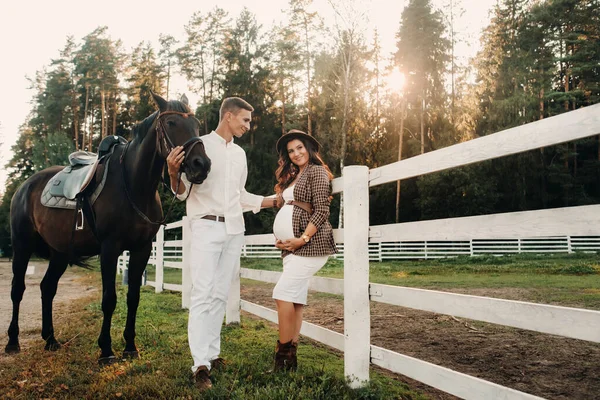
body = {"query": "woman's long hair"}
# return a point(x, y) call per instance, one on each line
point(287, 170)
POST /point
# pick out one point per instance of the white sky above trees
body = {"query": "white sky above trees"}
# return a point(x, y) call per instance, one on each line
point(34, 31)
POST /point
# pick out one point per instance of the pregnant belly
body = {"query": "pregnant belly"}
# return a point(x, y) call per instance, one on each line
point(282, 227)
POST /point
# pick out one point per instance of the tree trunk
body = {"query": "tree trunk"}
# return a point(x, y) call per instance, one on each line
point(309, 128)
point(400, 137)
point(422, 125)
point(114, 114)
point(102, 114)
point(542, 103)
point(168, 76)
point(347, 72)
point(204, 98)
point(91, 130)
point(75, 119)
point(282, 105)
point(452, 61)
point(85, 115)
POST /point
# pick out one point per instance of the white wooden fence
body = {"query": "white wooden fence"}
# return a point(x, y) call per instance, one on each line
point(575, 225)
point(429, 249)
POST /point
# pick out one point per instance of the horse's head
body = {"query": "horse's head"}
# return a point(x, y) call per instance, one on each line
point(177, 126)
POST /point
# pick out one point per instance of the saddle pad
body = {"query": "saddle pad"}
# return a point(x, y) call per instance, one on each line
point(48, 199)
point(69, 182)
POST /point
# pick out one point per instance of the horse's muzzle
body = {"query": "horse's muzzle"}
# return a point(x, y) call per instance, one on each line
point(197, 169)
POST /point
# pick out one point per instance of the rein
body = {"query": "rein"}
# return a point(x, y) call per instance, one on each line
point(162, 139)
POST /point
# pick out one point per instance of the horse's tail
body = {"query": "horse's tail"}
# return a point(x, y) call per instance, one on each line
point(81, 261)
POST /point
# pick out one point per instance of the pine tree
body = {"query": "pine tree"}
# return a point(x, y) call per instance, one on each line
point(201, 58)
point(422, 56)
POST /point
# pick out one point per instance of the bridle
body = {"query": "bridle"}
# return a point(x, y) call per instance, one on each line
point(164, 142)
point(164, 145)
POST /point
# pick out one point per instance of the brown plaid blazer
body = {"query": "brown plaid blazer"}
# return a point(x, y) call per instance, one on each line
point(313, 187)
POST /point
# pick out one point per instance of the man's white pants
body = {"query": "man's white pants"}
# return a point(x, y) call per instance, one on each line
point(214, 261)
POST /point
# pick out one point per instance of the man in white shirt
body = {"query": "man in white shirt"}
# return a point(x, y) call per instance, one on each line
point(215, 208)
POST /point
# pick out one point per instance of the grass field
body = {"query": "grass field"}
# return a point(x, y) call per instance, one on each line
point(164, 368)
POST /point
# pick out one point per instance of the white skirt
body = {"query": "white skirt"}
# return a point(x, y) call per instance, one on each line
point(293, 283)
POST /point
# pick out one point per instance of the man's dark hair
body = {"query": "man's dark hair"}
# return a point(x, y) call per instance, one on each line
point(233, 105)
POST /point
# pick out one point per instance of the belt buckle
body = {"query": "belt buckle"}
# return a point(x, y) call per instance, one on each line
point(219, 218)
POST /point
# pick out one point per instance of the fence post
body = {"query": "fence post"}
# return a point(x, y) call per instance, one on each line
point(569, 245)
point(125, 277)
point(232, 314)
point(159, 259)
point(186, 273)
point(357, 314)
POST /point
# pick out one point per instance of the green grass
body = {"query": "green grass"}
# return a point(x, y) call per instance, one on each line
point(170, 275)
point(164, 368)
point(566, 279)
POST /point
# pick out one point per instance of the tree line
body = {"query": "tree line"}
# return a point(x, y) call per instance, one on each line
point(537, 59)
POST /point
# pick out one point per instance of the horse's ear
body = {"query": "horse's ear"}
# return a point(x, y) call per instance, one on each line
point(184, 100)
point(160, 102)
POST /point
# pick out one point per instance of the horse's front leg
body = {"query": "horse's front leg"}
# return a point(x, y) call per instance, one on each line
point(137, 264)
point(56, 268)
point(109, 255)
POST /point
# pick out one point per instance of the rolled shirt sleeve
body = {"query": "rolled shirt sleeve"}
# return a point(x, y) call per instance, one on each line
point(184, 181)
point(248, 201)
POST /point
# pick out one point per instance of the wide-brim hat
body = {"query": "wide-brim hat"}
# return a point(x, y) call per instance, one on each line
point(296, 134)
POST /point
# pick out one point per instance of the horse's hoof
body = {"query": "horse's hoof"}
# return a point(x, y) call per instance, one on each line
point(104, 361)
point(131, 355)
point(12, 348)
point(54, 346)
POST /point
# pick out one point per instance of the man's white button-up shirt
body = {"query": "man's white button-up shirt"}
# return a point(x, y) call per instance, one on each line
point(223, 192)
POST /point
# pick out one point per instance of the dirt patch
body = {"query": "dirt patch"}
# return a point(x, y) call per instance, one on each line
point(71, 286)
point(544, 365)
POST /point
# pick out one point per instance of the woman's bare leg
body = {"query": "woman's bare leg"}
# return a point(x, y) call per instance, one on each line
point(286, 315)
point(298, 310)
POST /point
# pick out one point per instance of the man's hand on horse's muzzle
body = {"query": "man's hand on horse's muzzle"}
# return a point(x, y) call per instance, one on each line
point(174, 161)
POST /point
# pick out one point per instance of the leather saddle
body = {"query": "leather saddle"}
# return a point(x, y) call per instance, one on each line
point(63, 188)
point(74, 178)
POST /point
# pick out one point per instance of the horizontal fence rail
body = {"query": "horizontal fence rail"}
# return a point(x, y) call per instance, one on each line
point(563, 321)
point(577, 124)
point(430, 249)
point(453, 382)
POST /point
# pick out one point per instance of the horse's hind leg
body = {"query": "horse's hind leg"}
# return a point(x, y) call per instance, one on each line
point(137, 264)
point(56, 268)
point(21, 255)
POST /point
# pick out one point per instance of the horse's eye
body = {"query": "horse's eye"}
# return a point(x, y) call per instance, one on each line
point(171, 123)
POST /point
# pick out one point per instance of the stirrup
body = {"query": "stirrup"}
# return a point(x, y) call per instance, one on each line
point(78, 226)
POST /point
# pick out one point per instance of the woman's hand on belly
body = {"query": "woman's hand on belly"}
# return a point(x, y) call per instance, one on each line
point(290, 245)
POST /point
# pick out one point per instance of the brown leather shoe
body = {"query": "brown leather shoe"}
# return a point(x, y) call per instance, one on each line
point(218, 364)
point(202, 378)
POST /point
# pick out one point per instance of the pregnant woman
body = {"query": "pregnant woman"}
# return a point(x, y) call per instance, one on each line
point(303, 234)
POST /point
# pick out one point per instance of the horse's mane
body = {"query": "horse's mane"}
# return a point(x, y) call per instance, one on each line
point(140, 129)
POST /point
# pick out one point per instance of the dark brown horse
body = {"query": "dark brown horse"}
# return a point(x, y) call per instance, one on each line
point(126, 215)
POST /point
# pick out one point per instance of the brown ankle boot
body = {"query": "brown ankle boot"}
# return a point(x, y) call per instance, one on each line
point(285, 356)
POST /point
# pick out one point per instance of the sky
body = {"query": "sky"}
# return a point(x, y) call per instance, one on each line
point(33, 32)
